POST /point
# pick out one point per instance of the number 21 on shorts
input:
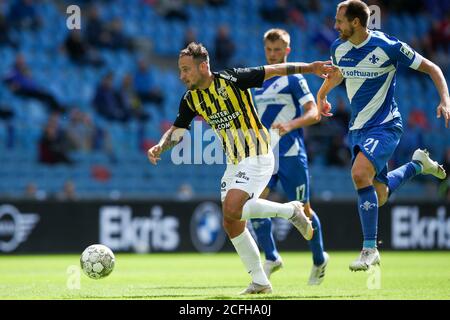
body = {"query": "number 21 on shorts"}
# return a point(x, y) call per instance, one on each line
point(370, 144)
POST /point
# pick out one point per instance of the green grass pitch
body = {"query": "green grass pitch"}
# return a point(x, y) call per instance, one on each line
point(403, 275)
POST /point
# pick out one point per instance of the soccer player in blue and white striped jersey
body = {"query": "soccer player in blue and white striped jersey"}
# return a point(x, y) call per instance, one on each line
point(286, 104)
point(367, 61)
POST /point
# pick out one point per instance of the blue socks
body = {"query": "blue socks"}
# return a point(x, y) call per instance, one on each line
point(263, 231)
point(399, 176)
point(316, 243)
point(368, 215)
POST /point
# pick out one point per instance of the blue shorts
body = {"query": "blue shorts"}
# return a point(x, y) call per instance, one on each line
point(378, 145)
point(294, 177)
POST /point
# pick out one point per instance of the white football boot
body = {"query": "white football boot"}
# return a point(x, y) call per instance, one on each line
point(254, 288)
point(429, 166)
point(367, 258)
point(272, 266)
point(301, 221)
point(318, 272)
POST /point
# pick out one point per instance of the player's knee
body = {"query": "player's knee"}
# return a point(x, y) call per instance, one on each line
point(360, 178)
point(233, 228)
point(232, 210)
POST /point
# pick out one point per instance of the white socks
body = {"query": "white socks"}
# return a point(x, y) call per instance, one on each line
point(260, 208)
point(247, 249)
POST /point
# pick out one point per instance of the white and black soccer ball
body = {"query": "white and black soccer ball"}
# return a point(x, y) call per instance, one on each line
point(97, 261)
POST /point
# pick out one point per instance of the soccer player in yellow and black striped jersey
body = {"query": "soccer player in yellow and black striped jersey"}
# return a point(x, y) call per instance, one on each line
point(224, 101)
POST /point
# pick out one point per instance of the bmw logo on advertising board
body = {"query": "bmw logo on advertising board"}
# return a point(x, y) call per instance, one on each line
point(207, 233)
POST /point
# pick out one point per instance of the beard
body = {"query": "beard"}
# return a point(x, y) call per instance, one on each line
point(346, 35)
point(191, 85)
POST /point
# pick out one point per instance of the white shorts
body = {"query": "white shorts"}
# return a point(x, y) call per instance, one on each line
point(250, 175)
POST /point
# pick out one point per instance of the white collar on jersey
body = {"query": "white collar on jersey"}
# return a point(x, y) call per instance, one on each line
point(362, 43)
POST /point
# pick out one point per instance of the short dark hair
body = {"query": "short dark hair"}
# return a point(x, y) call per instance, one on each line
point(356, 9)
point(195, 50)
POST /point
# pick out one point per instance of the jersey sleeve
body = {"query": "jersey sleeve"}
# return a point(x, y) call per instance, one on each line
point(404, 54)
point(245, 78)
point(185, 115)
point(300, 89)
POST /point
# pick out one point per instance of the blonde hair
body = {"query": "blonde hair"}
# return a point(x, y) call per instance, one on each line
point(278, 34)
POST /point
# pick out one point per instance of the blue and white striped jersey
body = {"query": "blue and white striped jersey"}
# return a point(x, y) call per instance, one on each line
point(280, 100)
point(369, 72)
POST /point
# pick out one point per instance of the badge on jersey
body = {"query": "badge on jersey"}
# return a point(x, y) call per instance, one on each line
point(304, 85)
point(223, 93)
point(407, 51)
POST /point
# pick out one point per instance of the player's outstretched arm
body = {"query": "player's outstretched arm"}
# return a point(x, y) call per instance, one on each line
point(170, 138)
point(309, 117)
point(323, 106)
point(319, 68)
point(438, 78)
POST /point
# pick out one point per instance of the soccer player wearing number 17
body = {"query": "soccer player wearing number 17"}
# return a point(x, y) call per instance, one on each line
point(223, 99)
point(286, 104)
point(368, 60)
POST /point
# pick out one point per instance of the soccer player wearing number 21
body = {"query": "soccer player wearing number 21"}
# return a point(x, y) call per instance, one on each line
point(223, 99)
point(368, 60)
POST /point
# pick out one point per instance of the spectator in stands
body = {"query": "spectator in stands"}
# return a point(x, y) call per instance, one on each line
point(338, 153)
point(185, 192)
point(129, 99)
point(342, 115)
point(189, 36)
point(145, 87)
point(97, 34)
point(80, 51)
point(107, 103)
point(172, 9)
point(325, 35)
point(306, 6)
point(21, 82)
point(5, 36)
point(33, 193)
point(437, 8)
point(6, 112)
point(118, 38)
point(412, 140)
point(224, 48)
point(80, 131)
point(52, 145)
point(23, 15)
point(418, 118)
point(68, 193)
point(30, 191)
point(275, 11)
point(217, 3)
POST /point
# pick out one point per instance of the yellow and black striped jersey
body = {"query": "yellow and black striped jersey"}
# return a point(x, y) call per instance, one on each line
point(227, 106)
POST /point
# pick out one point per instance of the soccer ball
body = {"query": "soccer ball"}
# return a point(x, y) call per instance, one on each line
point(97, 261)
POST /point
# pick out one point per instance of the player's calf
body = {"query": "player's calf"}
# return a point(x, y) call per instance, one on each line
point(382, 191)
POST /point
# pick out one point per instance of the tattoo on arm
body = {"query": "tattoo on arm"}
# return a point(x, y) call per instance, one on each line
point(170, 139)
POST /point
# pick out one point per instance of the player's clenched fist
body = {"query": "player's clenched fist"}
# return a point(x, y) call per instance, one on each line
point(324, 107)
point(154, 153)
